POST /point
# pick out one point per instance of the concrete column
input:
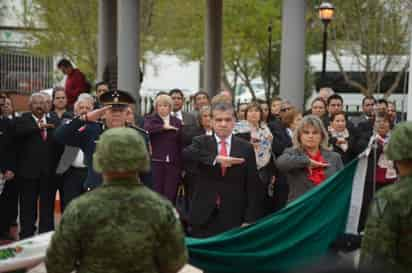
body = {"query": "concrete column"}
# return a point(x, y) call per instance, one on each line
point(106, 44)
point(128, 48)
point(213, 46)
point(409, 109)
point(292, 66)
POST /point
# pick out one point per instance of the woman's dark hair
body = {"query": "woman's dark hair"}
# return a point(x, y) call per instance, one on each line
point(332, 117)
point(254, 105)
point(64, 63)
point(289, 116)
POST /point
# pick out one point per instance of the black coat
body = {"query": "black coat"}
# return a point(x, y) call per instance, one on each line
point(7, 149)
point(281, 138)
point(348, 155)
point(365, 132)
point(36, 157)
point(219, 202)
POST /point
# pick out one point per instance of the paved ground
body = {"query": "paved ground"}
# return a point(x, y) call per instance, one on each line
point(187, 269)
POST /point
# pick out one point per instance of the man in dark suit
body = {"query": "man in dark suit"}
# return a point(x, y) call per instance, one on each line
point(186, 118)
point(8, 186)
point(37, 161)
point(227, 193)
point(368, 104)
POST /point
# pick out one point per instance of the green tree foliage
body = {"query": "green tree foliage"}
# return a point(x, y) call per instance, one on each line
point(375, 34)
point(71, 31)
point(178, 28)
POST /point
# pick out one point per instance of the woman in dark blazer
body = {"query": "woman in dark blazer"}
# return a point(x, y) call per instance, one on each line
point(340, 138)
point(165, 138)
point(309, 162)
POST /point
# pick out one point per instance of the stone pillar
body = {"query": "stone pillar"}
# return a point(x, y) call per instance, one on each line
point(292, 66)
point(128, 48)
point(213, 46)
point(106, 44)
point(409, 107)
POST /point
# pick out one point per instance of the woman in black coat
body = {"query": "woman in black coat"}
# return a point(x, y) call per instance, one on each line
point(340, 138)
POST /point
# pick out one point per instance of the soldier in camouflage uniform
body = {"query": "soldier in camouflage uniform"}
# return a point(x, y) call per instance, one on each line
point(121, 226)
point(388, 234)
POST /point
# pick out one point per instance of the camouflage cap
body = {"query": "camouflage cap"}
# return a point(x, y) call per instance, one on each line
point(121, 150)
point(400, 142)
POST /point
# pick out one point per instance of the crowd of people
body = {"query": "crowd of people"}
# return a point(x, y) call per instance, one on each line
point(222, 166)
point(236, 164)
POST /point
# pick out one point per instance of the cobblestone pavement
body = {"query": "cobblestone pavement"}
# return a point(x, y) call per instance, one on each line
point(187, 269)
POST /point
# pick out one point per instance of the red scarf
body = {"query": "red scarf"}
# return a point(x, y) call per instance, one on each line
point(316, 175)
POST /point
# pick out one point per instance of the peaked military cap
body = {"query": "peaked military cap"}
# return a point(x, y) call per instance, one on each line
point(117, 98)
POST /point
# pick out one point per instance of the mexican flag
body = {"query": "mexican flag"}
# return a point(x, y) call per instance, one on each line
point(292, 237)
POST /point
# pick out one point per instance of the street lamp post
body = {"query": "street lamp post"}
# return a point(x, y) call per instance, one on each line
point(269, 60)
point(326, 12)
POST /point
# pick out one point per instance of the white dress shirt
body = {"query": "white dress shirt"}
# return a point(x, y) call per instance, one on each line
point(228, 142)
point(37, 120)
point(178, 115)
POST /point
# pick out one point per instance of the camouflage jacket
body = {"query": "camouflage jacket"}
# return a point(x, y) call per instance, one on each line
point(121, 226)
point(388, 233)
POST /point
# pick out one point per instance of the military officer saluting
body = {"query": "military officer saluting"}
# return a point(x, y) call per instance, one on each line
point(121, 226)
point(387, 241)
point(84, 130)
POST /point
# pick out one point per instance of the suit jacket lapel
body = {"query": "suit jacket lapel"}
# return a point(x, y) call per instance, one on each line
point(234, 148)
point(212, 145)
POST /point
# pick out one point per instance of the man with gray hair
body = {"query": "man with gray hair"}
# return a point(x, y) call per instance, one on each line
point(35, 133)
point(48, 103)
point(325, 93)
point(72, 169)
point(227, 192)
point(84, 103)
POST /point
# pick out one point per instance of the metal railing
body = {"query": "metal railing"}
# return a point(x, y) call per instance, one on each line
point(24, 73)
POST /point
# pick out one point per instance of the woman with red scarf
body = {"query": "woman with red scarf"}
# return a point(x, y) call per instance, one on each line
point(309, 162)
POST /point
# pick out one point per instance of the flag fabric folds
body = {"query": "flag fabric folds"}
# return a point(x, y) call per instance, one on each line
point(290, 238)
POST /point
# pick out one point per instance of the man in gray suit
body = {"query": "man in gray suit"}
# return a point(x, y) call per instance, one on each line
point(178, 100)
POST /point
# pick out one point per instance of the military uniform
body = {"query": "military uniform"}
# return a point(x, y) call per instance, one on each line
point(82, 134)
point(121, 226)
point(388, 234)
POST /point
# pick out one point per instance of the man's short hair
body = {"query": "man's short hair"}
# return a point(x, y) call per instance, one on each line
point(335, 97)
point(276, 99)
point(368, 98)
point(329, 90)
point(198, 93)
point(176, 91)
point(84, 97)
point(36, 95)
point(223, 107)
point(379, 101)
point(64, 63)
point(101, 83)
point(45, 95)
